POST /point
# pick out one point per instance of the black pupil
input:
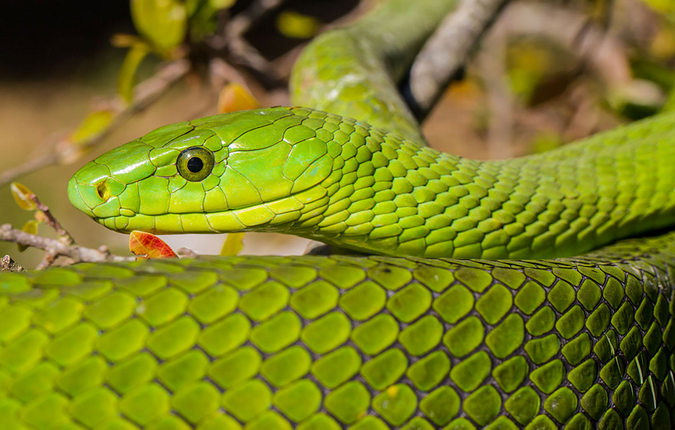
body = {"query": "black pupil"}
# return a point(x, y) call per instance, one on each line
point(195, 164)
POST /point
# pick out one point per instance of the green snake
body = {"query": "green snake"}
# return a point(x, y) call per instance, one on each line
point(451, 323)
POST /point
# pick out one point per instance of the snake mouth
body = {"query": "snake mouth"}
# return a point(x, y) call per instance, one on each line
point(199, 222)
point(261, 216)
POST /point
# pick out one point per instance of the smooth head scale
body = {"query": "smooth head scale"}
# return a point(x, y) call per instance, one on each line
point(266, 165)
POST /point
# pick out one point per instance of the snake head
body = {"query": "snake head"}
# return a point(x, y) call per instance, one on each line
point(251, 170)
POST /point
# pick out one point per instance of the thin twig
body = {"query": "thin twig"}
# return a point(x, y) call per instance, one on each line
point(244, 54)
point(49, 259)
point(55, 248)
point(243, 21)
point(64, 151)
point(230, 42)
point(51, 221)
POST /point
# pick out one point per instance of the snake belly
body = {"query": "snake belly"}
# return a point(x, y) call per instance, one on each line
point(358, 341)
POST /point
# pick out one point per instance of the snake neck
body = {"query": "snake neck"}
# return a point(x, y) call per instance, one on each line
point(354, 71)
point(388, 195)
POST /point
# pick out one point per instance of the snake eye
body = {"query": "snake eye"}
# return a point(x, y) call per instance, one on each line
point(195, 163)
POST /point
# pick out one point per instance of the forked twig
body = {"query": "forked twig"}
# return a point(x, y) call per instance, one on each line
point(54, 248)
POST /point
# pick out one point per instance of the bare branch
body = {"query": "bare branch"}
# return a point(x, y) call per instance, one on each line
point(231, 39)
point(63, 151)
point(51, 221)
point(245, 54)
point(447, 51)
point(55, 248)
point(148, 91)
point(47, 260)
point(241, 23)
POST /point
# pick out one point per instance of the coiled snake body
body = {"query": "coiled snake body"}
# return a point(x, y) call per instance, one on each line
point(458, 333)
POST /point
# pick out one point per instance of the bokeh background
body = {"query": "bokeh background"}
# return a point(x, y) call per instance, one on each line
point(547, 72)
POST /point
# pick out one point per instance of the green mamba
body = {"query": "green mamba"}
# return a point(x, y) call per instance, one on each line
point(458, 334)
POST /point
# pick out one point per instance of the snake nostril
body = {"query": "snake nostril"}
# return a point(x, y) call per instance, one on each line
point(102, 190)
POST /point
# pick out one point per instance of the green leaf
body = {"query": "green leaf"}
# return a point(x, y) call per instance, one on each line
point(203, 22)
point(93, 124)
point(195, 6)
point(125, 80)
point(663, 6)
point(162, 22)
point(23, 196)
point(296, 25)
point(191, 6)
point(221, 4)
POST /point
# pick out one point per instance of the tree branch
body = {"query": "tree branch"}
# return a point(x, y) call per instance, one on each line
point(55, 248)
point(46, 215)
point(446, 52)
